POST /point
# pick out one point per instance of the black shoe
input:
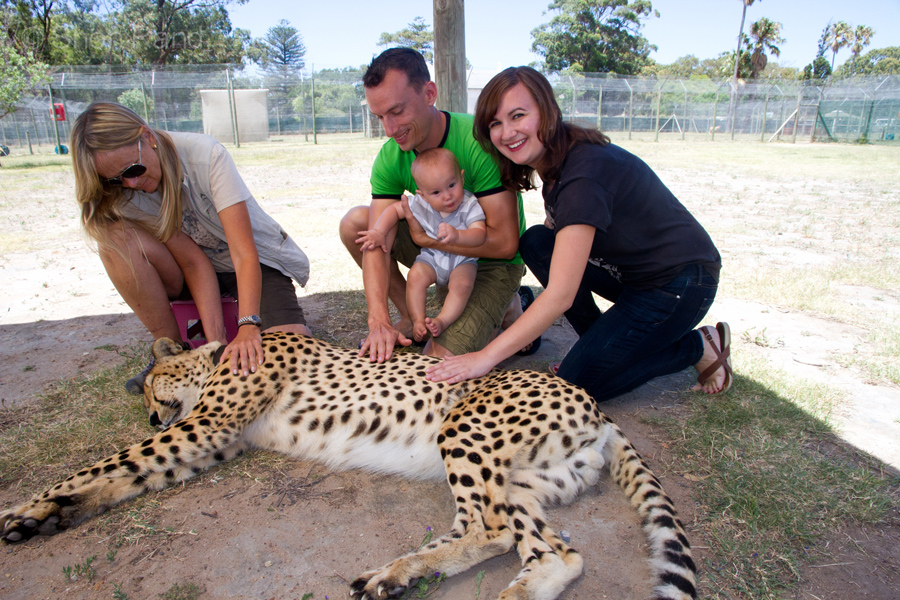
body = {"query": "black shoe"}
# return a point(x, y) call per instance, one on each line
point(527, 297)
point(135, 385)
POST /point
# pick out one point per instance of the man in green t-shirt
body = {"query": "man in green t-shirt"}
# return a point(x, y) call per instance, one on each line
point(399, 91)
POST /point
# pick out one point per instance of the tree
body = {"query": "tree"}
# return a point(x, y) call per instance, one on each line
point(18, 75)
point(338, 91)
point(284, 48)
point(684, 67)
point(819, 68)
point(881, 61)
point(595, 36)
point(283, 53)
point(839, 36)
point(765, 35)
point(29, 24)
point(129, 32)
point(861, 37)
point(137, 101)
point(741, 39)
point(417, 36)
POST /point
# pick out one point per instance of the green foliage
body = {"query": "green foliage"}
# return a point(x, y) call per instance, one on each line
point(282, 53)
point(819, 68)
point(881, 61)
point(18, 75)
point(765, 34)
point(138, 32)
point(417, 36)
point(337, 92)
point(839, 35)
point(137, 101)
point(119, 593)
point(595, 36)
point(85, 569)
point(188, 591)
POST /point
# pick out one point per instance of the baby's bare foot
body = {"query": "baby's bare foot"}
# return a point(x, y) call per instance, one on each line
point(435, 326)
point(420, 330)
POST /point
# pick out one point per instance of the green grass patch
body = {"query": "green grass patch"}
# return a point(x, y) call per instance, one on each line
point(772, 480)
point(79, 422)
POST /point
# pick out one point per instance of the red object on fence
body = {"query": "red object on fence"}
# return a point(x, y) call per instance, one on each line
point(58, 111)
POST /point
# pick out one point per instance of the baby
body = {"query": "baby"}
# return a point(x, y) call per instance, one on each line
point(449, 214)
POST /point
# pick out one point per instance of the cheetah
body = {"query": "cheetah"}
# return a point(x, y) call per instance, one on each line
point(508, 443)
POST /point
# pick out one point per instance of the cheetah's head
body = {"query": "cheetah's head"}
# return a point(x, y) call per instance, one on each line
point(172, 387)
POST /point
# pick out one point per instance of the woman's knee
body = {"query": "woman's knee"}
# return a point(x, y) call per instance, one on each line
point(536, 248)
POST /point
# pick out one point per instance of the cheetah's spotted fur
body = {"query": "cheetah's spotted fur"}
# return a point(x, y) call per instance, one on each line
point(508, 443)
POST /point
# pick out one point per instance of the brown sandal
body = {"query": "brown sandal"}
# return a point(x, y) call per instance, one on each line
point(723, 356)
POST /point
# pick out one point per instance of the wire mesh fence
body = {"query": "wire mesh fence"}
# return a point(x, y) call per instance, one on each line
point(848, 110)
point(237, 107)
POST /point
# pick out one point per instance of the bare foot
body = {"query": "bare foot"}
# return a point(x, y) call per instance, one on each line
point(404, 326)
point(716, 351)
point(436, 326)
point(420, 329)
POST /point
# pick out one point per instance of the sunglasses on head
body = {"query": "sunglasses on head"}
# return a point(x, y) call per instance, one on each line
point(135, 170)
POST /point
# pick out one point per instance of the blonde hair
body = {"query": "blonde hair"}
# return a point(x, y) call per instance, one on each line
point(433, 158)
point(106, 126)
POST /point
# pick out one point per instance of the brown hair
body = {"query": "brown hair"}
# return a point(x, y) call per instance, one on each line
point(556, 136)
point(106, 126)
point(432, 158)
point(406, 60)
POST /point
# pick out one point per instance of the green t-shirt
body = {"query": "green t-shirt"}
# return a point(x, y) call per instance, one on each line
point(391, 175)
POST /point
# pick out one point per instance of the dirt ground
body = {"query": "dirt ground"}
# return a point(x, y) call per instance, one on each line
point(313, 531)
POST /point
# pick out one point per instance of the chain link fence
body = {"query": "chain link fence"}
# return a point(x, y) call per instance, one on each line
point(849, 110)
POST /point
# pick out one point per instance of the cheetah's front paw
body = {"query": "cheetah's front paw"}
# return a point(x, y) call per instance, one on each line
point(38, 517)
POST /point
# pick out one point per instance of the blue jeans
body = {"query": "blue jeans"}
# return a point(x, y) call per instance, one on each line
point(645, 334)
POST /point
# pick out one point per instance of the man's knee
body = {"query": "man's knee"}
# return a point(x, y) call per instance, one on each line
point(356, 220)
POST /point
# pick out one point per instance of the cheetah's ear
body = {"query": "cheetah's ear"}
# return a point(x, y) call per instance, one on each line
point(166, 347)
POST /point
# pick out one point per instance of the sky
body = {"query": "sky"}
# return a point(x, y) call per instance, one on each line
point(344, 33)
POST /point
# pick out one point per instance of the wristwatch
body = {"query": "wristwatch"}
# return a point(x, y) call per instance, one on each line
point(250, 320)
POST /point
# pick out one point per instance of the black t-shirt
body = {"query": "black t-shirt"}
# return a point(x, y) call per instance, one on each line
point(644, 236)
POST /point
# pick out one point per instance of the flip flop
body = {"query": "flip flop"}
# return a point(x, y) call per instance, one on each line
point(527, 297)
point(723, 356)
point(554, 368)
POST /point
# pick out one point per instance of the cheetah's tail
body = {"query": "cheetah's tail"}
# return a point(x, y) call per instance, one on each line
point(670, 552)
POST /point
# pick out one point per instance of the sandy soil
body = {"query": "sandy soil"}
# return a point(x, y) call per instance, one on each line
point(312, 531)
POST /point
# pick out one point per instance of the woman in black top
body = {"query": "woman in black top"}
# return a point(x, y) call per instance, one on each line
point(612, 228)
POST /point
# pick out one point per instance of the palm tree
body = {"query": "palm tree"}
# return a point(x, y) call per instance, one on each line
point(765, 34)
point(839, 36)
point(862, 37)
point(737, 55)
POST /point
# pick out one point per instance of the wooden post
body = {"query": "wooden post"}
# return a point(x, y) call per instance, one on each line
point(658, 100)
point(715, 110)
point(600, 110)
point(312, 85)
point(797, 117)
point(53, 118)
point(450, 55)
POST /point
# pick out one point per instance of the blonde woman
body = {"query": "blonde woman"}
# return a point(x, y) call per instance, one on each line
point(173, 219)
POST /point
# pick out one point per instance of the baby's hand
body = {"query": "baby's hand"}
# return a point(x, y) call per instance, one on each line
point(371, 239)
point(447, 234)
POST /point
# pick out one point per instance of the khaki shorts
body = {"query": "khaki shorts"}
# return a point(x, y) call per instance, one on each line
point(495, 285)
point(278, 304)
